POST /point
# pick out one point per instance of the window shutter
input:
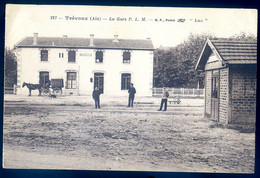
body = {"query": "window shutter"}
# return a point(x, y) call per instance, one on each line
point(72, 56)
point(44, 55)
point(126, 55)
point(122, 81)
point(99, 56)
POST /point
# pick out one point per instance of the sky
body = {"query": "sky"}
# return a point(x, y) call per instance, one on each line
point(166, 27)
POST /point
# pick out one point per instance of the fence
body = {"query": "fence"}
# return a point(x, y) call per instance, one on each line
point(189, 92)
point(10, 90)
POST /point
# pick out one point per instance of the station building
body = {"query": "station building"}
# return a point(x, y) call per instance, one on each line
point(85, 63)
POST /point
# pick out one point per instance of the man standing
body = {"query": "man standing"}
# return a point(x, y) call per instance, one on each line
point(96, 93)
point(165, 96)
point(131, 92)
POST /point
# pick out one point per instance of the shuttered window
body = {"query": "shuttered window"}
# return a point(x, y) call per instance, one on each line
point(72, 56)
point(44, 55)
point(99, 56)
point(126, 57)
point(125, 81)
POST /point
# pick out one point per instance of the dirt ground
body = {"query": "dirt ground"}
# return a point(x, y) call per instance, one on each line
point(67, 133)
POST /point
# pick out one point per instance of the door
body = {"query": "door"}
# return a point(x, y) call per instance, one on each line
point(99, 81)
point(215, 97)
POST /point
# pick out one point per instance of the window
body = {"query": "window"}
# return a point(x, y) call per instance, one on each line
point(44, 55)
point(61, 55)
point(125, 81)
point(71, 80)
point(72, 56)
point(44, 78)
point(215, 93)
point(126, 57)
point(99, 56)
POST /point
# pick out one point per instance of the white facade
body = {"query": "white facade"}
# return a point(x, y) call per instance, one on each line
point(85, 66)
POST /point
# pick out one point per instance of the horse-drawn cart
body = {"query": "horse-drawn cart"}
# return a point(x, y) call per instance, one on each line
point(56, 85)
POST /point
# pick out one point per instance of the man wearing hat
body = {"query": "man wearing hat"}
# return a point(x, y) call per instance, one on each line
point(131, 92)
point(96, 93)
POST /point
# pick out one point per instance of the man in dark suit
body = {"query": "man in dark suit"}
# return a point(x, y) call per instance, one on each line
point(96, 93)
point(131, 92)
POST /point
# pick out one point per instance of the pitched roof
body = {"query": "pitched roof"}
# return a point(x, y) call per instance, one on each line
point(65, 42)
point(230, 51)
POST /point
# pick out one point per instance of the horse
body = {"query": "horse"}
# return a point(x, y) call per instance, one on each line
point(33, 87)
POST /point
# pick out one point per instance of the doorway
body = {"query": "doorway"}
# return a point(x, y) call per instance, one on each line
point(215, 96)
point(99, 81)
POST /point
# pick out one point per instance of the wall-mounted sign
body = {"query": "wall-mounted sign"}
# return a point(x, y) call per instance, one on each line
point(85, 54)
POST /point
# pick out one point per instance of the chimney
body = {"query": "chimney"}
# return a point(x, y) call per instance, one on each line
point(115, 39)
point(35, 38)
point(65, 36)
point(91, 40)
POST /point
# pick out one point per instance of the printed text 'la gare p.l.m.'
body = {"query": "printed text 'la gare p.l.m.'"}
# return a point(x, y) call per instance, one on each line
point(124, 19)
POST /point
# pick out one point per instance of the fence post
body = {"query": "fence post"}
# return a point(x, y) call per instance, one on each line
point(193, 91)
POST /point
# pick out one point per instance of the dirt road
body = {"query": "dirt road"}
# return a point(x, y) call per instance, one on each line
point(62, 136)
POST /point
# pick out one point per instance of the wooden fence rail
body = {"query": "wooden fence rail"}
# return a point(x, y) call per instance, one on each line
point(10, 90)
point(192, 92)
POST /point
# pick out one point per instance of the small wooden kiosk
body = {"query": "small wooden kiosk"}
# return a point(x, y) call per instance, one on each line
point(230, 80)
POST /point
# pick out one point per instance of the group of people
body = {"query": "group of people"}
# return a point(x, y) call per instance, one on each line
point(131, 91)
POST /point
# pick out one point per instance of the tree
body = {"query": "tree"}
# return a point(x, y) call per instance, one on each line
point(10, 68)
point(175, 67)
point(244, 36)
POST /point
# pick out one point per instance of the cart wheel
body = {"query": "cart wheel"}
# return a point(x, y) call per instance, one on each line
point(57, 91)
point(46, 92)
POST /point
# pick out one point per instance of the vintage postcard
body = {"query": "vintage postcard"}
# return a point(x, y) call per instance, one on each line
point(130, 88)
